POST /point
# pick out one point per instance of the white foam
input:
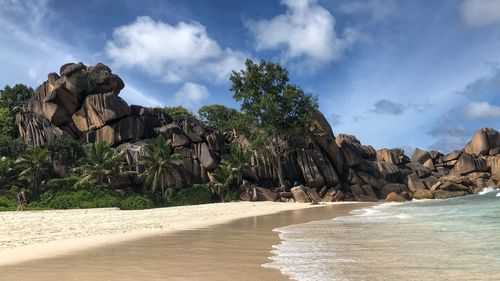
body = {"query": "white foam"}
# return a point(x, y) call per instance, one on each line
point(498, 194)
point(487, 190)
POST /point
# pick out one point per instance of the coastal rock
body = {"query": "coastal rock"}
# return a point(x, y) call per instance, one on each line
point(394, 197)
point(193, 128)
point(423, 194)
point(371, 180)
point(493, 163)
point(482, 141)
point(175, 134)
point(443, 194)
point(420, 156)
point(454, 155)
point(389, 171)
point(392, 188)
point(99, 110)
point(414, 183)
point(133, 152)
point(394, 156)
point(330, 195)
point(467, 163)
point(451, 186)
point(37, 130)
point(494, 151)
point(206, 156)
point(264, 194)
point(419, 170)
point(300, 195)
point(128, 128)
point(309, 168)
point(313, 194)
point(363, 193)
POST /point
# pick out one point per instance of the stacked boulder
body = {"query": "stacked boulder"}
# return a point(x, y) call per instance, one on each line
point(83, 102)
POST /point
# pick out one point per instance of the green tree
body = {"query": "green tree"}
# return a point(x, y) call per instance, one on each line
point(34, 167)
point(101, 164)
point(224, 119)
point(11, 147)
point(65, 151)
point(159, 164)
point(239, 162)
point(7, 122)
point(8, 173)
point(279, 109)
point(223, 180)
point(13, 98)
point(177, 111)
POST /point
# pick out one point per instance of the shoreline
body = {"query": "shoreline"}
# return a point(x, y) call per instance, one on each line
point(32, 235)
point(245, 243)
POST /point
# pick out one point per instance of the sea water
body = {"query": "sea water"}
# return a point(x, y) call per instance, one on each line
point(452, 239)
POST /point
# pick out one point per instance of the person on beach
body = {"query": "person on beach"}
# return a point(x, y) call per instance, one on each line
point(21, 198)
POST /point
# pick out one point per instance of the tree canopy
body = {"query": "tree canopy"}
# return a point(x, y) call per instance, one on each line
point(177, 111)
point(223, 118)
point(14, 97)
point(7, 122)
point(279, 109)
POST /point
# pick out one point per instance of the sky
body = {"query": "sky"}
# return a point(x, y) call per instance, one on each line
point(408, 73)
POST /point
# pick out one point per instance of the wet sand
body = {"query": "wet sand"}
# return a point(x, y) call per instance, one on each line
point(229, 251)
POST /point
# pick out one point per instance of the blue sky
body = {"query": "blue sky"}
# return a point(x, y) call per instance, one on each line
point(394, 73)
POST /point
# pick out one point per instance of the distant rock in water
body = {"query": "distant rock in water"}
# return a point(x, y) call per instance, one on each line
point(83, 102)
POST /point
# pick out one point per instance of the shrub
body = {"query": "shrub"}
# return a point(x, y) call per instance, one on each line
point(231, 195)
point(11, 147)
point(66, 151)
point(136, 202)
point(95, 197)
point(195, 194)
point(60, 184)
point(7, 204)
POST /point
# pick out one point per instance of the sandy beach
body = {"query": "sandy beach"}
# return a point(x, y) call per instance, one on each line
point(41, 234)
point(222, 241)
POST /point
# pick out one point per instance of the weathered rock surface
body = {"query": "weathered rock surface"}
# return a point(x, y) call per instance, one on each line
point(394, 197)
point(482, 141)
point(467, 164)
point(423, 194)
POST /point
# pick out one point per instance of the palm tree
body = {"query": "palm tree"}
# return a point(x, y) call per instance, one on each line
point(8, 172)
point(159, 164)
point(101, 165)
point(34, 166)
point(223, 178)
point(239, 161)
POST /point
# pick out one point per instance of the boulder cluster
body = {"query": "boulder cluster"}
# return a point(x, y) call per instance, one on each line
point(83, 102)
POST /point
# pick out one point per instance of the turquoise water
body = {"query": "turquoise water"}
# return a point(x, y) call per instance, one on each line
point(452, 239)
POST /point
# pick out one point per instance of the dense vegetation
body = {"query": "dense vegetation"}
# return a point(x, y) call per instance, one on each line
point(68, 174)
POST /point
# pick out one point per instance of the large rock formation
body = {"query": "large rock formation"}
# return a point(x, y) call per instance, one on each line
point(83, 102)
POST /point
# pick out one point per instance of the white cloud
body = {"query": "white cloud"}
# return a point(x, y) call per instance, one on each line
point(480, 12)
point(32, 50)
point(190, 95)
point(172, 52)
point(480, 110)
point(378, 9)
point(135, 96)
point(306, 30)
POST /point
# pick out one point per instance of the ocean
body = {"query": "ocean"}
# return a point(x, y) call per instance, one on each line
point(451, 239)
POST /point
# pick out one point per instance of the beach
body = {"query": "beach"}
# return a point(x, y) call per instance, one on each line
point(202, 242)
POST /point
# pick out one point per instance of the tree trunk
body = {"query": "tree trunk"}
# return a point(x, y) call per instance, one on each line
point(281, 177)
point(162, 187)
point(36, 187)
point(279, 162)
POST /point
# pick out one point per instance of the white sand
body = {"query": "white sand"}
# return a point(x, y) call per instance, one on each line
point(40, 234)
